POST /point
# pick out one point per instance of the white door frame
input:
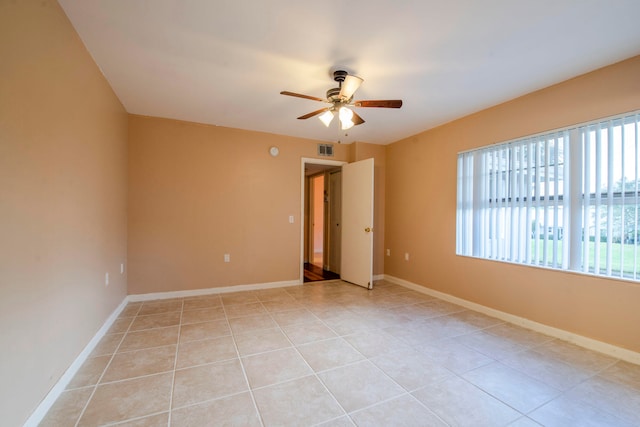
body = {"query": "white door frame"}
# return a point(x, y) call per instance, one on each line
point(306, 160)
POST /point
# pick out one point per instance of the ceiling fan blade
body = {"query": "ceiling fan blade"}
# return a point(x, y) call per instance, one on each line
point(299, 95)
point(349, 86)
point(386, 103)
point(356, 119)
point(314, 113)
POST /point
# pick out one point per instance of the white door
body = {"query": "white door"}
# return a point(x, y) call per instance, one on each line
point(357, 223)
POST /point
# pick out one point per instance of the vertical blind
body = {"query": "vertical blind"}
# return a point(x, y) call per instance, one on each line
point(567, 199)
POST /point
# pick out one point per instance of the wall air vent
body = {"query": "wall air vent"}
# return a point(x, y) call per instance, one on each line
point(325, 150)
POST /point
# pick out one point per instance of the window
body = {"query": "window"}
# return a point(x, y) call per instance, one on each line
point(567, 199)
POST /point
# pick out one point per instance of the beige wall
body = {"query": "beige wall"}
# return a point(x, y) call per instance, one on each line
point(421, 210)
point(197, 192)
point(62, 201)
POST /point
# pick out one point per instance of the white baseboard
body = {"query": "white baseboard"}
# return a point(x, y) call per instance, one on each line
point(211, 291)
point(582, 341)
point(55, 392)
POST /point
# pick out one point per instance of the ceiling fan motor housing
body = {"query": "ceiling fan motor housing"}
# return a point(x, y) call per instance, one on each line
point(339, 75)
point(333, 94)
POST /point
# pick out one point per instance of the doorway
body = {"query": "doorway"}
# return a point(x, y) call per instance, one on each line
point(321, 226)
point(354, 243)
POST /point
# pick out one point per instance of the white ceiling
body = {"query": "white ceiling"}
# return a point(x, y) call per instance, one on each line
point(224, 62)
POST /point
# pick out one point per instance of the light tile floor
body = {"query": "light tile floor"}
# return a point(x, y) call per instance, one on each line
point(334, 354)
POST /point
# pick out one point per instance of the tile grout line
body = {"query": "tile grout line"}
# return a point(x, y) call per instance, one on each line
point(560, 393)
point(460, 375)
point(406, 393)
point(477, 387)
point(116, 352)
point(279, 328)
point(561, 362)
point(368, 359)
point(564, 393)
point(132, 378)
point(244, 373)
point(315, 374)
point(175, 363)
point(293, 346)
point(104, 371)
point(128, 420)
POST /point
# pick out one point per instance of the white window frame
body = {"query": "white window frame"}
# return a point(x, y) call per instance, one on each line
point(555, 181)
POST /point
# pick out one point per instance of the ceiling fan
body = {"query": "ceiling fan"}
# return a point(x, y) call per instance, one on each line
point(340, 99)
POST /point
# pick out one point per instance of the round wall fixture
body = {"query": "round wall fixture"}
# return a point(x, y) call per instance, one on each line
point(274, 151)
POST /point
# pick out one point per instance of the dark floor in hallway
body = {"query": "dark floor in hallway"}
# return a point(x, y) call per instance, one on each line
point(313, 273)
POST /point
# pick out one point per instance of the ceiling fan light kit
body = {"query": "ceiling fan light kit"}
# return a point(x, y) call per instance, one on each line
point(345, 116)
point(340, 98)
point(326, 117)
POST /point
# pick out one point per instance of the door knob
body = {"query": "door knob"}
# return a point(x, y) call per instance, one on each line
point(368, 230)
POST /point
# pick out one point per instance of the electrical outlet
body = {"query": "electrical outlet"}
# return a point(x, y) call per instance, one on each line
point(121, 268)
point(406, 256)
point(291, 219)
point(227, 258)
point(388, 252)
